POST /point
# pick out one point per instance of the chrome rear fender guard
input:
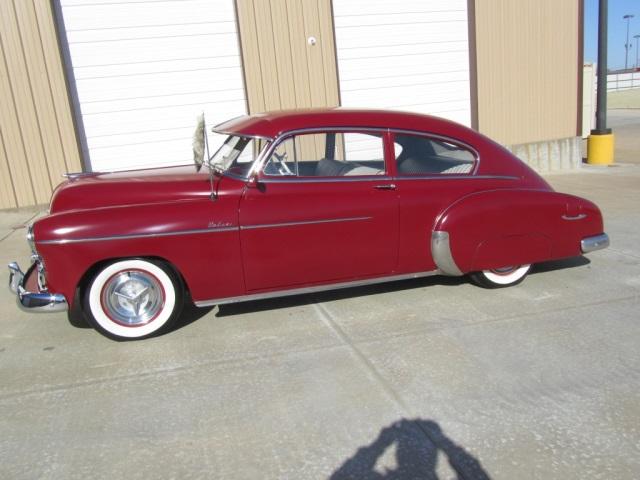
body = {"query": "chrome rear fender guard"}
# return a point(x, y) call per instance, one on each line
point(441, 253)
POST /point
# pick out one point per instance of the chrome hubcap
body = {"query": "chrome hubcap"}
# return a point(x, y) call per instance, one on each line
point(132, 298)
point(504, 270)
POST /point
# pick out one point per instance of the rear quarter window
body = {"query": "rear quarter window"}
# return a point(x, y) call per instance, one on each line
point(424, 155)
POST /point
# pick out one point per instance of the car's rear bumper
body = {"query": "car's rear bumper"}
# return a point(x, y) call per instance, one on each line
point(591, 244)
point(33, 301)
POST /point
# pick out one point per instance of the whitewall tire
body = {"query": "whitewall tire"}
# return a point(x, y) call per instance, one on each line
point(133, 299)
point(501, 277)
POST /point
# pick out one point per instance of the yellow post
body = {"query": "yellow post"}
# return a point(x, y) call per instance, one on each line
point(600, 149)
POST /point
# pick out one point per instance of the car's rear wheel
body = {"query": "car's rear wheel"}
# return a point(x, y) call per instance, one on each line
point(133, 299)
point(501, 277)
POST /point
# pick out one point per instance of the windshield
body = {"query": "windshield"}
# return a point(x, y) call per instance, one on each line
point(236, 155)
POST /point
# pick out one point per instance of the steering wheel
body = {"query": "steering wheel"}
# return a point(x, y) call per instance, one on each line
point(282, 166)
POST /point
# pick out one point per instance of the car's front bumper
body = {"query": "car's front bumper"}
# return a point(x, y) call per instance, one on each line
point(39, 300)
point(591, 244)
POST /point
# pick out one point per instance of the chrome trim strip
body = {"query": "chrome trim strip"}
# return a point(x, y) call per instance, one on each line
point(346, 179)
point(574, 217)
point(374, 178)
point(457, 176)
point(137, 235)
point(591, 244)
point(314, 289)
point(441, 253)
point(307, 222)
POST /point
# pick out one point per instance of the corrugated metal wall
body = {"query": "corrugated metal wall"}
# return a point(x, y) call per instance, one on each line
point(527, 69)
point(37, 138)
point(282, 69)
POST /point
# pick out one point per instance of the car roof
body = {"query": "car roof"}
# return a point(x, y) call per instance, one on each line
point(274, 124)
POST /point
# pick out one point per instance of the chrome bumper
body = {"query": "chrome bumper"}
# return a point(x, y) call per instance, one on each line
point(591, 244)
point(41, 301)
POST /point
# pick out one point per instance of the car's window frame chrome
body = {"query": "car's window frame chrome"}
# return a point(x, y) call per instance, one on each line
point(266, 178)
point(251, 171)
point(388, 134)
point(436, 136)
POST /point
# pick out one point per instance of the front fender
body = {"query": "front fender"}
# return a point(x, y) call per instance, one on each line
point(199, 238)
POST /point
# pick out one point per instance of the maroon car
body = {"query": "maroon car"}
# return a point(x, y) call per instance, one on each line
point(297, 202)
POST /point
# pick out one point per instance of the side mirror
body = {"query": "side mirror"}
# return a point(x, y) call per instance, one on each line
point(252, 182)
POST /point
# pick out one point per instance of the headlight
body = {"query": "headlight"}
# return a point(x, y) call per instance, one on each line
point(31, 239)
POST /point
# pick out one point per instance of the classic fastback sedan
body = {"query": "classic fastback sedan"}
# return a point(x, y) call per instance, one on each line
point(297, 202)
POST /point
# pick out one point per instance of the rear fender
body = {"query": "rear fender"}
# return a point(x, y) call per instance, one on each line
point(498, 228)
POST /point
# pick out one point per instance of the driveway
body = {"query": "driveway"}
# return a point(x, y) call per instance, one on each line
point(406, 380)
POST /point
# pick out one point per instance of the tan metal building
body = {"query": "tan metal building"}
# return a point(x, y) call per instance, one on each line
point(115, 84)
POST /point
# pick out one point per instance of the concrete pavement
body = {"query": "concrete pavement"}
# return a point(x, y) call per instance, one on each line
point(421, 378)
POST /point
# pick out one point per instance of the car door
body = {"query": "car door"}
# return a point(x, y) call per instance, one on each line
point(431, 173)
point(323, 210)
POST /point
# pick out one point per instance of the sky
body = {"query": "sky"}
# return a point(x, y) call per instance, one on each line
point(617, 31)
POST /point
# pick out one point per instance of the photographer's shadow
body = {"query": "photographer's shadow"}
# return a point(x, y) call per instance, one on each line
point(418, 444)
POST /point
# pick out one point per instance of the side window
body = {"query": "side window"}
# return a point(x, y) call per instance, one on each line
point(418, 155)
point(330, 154)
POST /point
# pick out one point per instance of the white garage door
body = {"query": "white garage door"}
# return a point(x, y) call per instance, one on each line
point(407, 55)
point(145, 70)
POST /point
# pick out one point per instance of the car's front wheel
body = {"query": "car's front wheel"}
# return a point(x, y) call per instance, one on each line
point(501, 277)
point(133, 299)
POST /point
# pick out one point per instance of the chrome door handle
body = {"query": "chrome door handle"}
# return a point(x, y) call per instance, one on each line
point(386, 186)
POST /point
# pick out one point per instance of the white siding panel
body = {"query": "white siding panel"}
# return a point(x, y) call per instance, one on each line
point(411, 55)
point(145, 70)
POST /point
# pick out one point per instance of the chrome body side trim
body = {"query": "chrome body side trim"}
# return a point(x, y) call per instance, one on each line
point(597, 242)
point(137, 235)
point(441, 253)
point(42, 301)
point(456, 176)
point(307, 222)
point(314, 289)
point(294, 179)
point(574, 217)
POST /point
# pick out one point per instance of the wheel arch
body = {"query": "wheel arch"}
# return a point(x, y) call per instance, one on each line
point(100, 264)
point(495, 228)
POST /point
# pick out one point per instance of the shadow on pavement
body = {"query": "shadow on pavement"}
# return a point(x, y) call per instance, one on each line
point(380, 288)
point(190, 313)
point(418, 443)
point(331, 295)
point(565, 263)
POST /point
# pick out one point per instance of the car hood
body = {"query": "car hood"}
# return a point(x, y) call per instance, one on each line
point(160, 185)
